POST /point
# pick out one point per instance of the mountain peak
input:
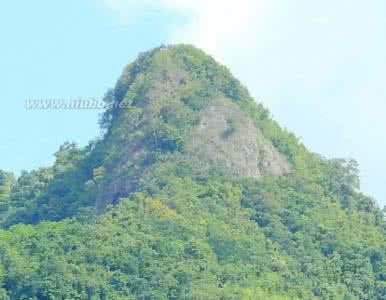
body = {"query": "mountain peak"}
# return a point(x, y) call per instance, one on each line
point(178, 101)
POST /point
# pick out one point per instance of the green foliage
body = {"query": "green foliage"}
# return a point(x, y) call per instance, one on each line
point(6, 182)
point(175, 234)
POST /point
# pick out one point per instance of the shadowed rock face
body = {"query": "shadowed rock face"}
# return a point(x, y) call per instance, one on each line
point(226, 138)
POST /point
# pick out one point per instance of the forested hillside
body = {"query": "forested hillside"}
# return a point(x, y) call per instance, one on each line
point(192, 191)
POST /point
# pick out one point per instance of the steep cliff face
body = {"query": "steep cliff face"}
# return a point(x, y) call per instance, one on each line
point(226, 138)
point(180, 101)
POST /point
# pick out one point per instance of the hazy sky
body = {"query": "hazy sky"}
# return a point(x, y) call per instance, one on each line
point(320, 66)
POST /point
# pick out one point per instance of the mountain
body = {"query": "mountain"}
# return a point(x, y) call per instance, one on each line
point(192, 192)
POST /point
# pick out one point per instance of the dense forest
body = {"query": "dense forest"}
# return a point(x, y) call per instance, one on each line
point(192, 191)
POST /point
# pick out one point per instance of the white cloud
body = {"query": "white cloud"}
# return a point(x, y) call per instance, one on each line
point(215, 25)
point(210, 25)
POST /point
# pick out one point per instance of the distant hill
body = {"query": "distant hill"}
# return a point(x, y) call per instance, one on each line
point(192, 192)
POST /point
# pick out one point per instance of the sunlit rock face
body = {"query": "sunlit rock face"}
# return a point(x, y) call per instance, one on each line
point(227, 139)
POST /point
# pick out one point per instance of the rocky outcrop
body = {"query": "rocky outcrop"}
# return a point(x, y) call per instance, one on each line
point(228, 139)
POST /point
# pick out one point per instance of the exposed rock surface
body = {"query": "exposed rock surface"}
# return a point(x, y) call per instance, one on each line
point(226, 138)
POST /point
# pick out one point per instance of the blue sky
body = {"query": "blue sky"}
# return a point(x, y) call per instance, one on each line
point(320, 67)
